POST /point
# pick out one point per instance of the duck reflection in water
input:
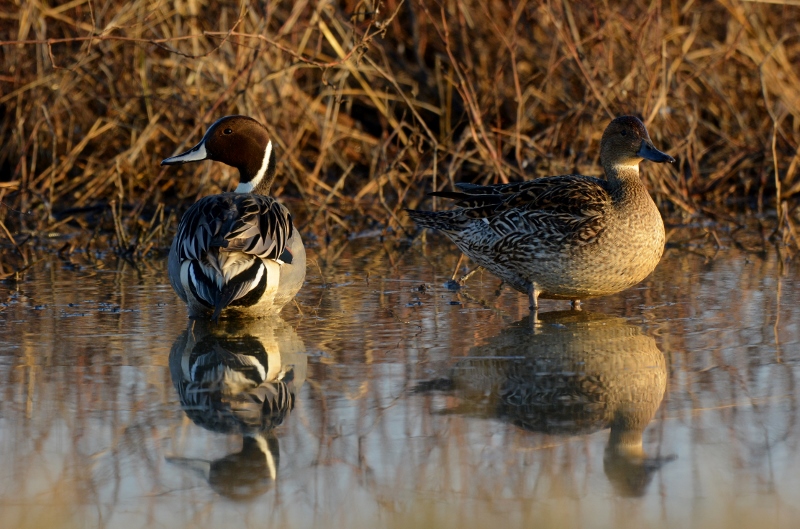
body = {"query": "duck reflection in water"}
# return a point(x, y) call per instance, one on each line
point(573, 373)
point(236, 378)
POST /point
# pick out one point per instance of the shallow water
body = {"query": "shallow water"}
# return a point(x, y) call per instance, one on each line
point(673, 404)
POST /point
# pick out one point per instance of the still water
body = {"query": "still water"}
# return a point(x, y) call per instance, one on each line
point(382, 399)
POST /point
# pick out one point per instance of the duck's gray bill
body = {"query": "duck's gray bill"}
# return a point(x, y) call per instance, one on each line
point(195, 154)
point(648, 152)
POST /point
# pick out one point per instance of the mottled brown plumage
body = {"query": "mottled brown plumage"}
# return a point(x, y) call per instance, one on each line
point(564, 237)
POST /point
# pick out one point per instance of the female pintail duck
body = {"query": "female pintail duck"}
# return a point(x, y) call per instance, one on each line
point(564, 237)
point(238, 250)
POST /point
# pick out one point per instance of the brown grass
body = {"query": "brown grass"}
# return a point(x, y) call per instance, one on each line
point(373, 104)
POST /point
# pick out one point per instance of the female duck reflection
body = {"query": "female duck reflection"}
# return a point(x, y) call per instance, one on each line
point(576, 373)
point(236, 379)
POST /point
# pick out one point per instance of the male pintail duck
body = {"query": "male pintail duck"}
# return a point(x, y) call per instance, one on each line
point(238, 250)
point(564, 237)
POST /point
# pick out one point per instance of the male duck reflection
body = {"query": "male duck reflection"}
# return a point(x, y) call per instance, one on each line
point(564, 237)
point(238, 250)
point(577, 373)
point(239, 381)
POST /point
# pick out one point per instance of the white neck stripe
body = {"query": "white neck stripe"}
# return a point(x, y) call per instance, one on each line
point(247, 187)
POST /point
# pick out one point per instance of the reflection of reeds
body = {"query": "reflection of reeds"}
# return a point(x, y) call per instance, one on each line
point(372, 104)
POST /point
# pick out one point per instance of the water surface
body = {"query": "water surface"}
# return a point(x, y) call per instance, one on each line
point(383, 399)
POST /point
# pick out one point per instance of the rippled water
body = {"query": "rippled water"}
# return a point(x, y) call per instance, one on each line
point(381, 399)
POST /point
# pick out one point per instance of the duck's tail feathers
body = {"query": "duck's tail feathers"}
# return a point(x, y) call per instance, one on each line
point(453, 195)
point(435, 220)
point(205, 285)
point(470, 200)
point(239, 287)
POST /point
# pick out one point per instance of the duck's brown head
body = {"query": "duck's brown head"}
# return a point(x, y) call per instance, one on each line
point(238, 141)
point(626, 143)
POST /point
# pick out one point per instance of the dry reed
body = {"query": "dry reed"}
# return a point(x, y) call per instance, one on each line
point(373, 104)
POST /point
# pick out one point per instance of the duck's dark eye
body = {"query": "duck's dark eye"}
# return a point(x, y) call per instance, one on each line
point(230, 131)
point(623, 133)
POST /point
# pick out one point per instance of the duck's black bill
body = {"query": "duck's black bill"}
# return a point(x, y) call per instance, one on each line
point(195, 154)
point(648, 152)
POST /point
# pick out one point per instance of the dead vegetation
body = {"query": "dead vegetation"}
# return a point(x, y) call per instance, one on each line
point(373, 104)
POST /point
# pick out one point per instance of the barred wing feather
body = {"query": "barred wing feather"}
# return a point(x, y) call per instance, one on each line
point(555, 204)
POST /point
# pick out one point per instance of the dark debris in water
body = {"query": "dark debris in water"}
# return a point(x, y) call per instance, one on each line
point(452, 284)
point(116, 310)
point(65, 314)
